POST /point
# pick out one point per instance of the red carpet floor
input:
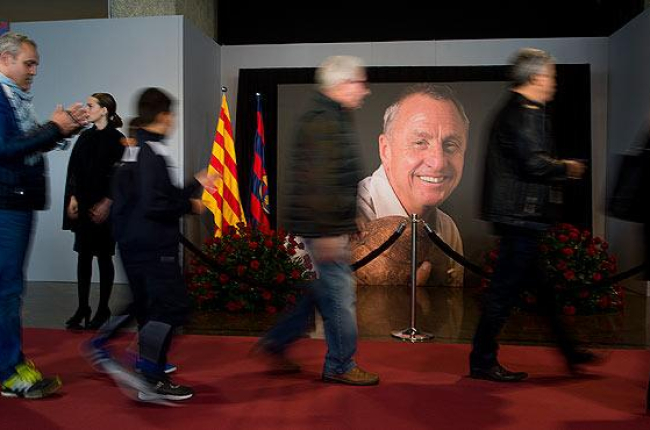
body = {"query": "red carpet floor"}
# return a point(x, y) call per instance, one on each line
point(423, 386)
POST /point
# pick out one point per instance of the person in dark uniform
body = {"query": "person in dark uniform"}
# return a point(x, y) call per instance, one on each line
point(87, 206)
point(146, 210)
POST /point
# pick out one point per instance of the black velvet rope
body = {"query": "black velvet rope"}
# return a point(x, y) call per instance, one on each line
point(476, 269)
point(623, 275)
point(196, 251)
point(444, 247)
point(381, 248)
point(362, 262)
point(458, 258)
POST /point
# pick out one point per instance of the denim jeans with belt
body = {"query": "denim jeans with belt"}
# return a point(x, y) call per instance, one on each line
point(15, 231)
point(334, 296)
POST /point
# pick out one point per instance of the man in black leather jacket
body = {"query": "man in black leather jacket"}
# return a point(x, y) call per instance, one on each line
point(520, 172)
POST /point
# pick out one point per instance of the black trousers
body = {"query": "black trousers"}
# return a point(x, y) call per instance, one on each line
point(160, 304)
point(518, 265)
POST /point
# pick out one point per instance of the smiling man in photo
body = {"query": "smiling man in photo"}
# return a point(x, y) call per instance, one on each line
point(422, 150)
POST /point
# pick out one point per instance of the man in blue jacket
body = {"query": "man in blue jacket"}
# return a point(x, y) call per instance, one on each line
point(22, 190)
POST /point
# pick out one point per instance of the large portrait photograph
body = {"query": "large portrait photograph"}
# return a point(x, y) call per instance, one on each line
point(423, 133)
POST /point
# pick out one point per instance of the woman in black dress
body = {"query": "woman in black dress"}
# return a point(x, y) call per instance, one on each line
point(87, 206)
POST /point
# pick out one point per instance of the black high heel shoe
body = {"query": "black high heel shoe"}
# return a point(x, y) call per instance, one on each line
point(75, 322)
point(101, 316)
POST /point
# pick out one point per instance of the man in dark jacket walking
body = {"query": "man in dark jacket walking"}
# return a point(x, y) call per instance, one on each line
point(520, 171)
point(22, 190)
point(324, 169)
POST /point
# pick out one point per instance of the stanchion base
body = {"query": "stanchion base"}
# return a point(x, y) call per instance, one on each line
point(412, 335)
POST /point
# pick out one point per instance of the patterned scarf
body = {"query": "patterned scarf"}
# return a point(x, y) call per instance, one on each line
point(21, 102)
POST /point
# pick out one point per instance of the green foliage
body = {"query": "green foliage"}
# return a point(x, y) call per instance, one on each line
point(577, 266)
point(254, 271)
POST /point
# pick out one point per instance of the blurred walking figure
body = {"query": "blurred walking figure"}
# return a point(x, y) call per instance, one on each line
point(146, 211)
point(324, 170)
point(87, 205)
point(23, 189)
point(520, 168)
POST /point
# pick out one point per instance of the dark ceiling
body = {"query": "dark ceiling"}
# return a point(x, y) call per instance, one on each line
point(251, 22)
point(292, 21)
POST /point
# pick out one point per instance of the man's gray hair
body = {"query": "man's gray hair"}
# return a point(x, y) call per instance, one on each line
point(337, 69)
point(528, 62)
point(436, 92)
point(12, 43)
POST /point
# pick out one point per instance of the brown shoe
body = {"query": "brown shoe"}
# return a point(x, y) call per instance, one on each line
point(278, 363)
point(355, 376)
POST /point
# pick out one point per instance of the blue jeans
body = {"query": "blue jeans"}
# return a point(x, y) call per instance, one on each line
point(15, 231)
point(334, 297)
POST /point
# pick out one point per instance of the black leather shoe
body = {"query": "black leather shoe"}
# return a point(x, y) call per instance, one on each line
point(278, 363)
point(497, 373)
point(581, 357)
point(79, 320)
point(101, 316)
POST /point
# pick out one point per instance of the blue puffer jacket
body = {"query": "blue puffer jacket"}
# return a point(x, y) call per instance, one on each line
point(23, 182)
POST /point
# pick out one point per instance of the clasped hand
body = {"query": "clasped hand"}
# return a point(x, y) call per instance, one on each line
point(70, 119)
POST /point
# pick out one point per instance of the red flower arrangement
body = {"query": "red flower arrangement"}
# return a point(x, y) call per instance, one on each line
point(576, 265)
point(255, 271)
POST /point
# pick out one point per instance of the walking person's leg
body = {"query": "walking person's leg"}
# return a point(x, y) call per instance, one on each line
point(335, 298)
point(517, 257)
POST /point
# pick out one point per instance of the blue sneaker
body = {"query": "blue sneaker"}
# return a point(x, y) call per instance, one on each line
point(95, 352)
point(169, 367)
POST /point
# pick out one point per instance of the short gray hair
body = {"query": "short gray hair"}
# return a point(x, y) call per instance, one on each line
point(527, 62)
point(337, 69)
point(436, 92)
point(12, 43)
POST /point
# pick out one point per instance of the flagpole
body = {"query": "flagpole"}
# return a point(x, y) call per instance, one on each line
point(224, 202)
point(224, 89)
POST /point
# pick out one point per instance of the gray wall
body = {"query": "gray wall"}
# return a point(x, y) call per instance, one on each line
point(629, 107)
point(78, 58)
point(201, 100)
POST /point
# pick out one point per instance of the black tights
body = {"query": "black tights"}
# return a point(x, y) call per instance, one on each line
point(84, 275)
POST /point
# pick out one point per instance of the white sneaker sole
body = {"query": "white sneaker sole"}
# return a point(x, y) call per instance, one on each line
point(152, 397)
point(39, 394)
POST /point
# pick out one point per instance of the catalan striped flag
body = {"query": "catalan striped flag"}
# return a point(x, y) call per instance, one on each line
point(224, 202)
point(259, 182)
